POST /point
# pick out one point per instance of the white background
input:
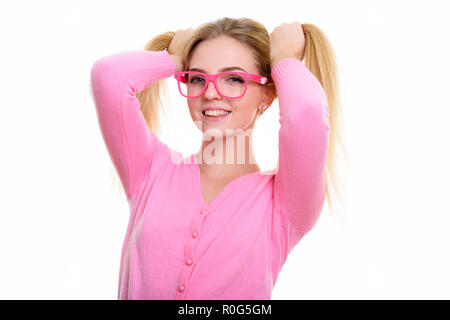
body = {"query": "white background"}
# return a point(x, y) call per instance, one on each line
point(62, 222)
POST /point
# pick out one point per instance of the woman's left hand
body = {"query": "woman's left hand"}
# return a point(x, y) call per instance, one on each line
point(287, 41)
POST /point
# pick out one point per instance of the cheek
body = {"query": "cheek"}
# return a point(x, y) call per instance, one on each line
point(194, 108)
point(246, 107)
point(245, 116)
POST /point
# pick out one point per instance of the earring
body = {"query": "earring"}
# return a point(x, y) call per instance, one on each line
point(263, 108)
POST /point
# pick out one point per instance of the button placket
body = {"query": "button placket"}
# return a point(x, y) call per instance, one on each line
point(189, 259)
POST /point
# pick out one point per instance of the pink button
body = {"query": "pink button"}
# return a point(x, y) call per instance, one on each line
point(194, 234)
point(181, 288)
point(188, 262)
point(204, 211)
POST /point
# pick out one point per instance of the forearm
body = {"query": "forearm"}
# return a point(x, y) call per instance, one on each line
point(115, 80)
point(303, 143)
point(278, 58)
point(178, 61)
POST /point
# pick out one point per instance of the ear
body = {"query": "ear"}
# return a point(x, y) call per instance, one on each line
point(270, 93)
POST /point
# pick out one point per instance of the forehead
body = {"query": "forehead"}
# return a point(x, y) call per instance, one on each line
point(214, 54)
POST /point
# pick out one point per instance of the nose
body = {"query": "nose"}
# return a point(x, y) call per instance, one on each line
point(211, 91)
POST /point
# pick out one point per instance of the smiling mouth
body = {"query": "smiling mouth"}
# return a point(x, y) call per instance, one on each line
point(218, 115)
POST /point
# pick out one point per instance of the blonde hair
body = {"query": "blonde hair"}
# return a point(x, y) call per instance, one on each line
point(319, 58)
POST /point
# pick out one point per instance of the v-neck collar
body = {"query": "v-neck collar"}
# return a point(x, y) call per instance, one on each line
point(197, 186)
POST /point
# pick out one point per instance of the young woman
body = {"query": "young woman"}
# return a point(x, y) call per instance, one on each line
point(212, 225)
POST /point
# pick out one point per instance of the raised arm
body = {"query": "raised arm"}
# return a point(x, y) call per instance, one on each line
point(115, 80)
point(303, 144)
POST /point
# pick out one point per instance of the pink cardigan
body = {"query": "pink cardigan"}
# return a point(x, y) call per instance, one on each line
point(178, 247)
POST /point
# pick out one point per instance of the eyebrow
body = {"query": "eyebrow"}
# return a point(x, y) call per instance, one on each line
point(221, 70)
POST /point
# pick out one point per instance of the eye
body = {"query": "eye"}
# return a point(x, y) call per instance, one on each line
point(193, 79)
point(233, 78)
point(236, 79)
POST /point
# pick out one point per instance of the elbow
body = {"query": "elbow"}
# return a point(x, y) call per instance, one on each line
point(99, 70)
point(104, 77)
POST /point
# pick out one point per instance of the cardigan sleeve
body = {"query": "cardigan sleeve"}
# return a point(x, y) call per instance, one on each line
point(299, 183)
point(115, 81)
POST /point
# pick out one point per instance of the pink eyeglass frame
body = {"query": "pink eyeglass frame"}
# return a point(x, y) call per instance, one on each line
point(213, 77)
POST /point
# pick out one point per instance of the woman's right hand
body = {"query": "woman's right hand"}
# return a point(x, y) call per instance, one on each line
point(179, 41)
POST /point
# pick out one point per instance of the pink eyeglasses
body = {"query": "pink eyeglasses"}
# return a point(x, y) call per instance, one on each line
point(231, 85)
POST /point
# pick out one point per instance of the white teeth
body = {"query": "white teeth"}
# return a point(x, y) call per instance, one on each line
point(216, 112)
